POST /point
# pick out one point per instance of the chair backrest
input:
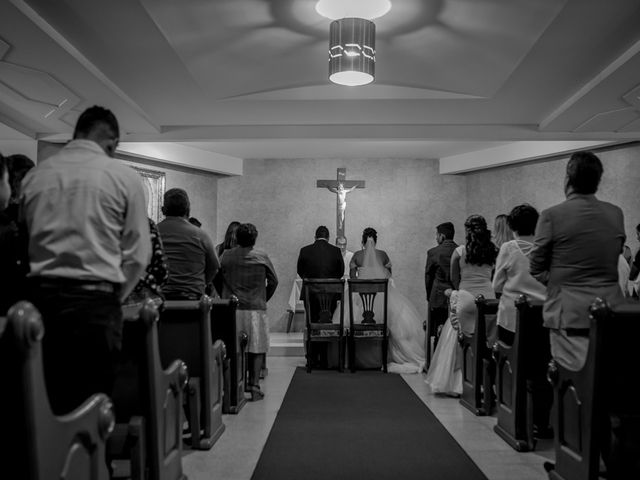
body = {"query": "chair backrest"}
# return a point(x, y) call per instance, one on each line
point(158, 391)
point(323, 291)
point(34, 443)
point(368, 289)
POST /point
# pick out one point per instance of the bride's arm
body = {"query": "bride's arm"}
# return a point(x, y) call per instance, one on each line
point(455, 270)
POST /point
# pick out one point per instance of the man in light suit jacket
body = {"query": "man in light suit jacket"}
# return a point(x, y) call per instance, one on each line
point(320, 260)
point(437, 274)
point(577, 245)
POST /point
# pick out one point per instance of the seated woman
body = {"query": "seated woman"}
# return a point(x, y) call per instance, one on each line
point(471, 267)
point(406, 336)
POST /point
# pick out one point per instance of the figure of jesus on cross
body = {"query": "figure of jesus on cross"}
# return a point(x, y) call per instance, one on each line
point(341, 186)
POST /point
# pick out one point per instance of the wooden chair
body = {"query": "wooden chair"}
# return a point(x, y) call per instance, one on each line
point(477, 362)
point(223, 327)
point(148, 400)
point(185, 332)
point(514, 365)
point(601, 391)
point(34, 443)
point(324, 292)
point(368, 328)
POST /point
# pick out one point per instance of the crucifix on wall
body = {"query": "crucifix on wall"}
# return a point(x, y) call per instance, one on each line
point(341, 187)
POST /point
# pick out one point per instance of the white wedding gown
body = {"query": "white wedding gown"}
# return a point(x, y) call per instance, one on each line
point(406, 336)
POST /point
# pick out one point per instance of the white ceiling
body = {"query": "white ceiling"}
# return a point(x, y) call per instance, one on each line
point(248, 78)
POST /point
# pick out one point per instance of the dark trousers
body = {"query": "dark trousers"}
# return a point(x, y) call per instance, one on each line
point(437, 317)
point(83, 336)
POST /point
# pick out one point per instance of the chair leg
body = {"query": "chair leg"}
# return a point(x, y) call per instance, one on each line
point(352, 354)
point(289, 320)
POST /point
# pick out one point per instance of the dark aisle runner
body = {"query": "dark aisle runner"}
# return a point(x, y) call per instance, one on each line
point(366, 425)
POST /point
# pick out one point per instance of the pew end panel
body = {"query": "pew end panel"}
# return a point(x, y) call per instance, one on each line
point(590, 410)
point(513, 377)
point(477, 362)
point(224, 327)
point(42, 445)
point(147, 391)
point(185, 332)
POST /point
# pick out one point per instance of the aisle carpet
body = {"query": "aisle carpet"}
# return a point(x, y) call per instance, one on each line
point(366, 425)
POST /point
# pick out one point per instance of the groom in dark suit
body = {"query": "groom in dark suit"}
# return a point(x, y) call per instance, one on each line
point(320, 260)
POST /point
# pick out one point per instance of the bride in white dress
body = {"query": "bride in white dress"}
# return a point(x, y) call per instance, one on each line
point(406, 336)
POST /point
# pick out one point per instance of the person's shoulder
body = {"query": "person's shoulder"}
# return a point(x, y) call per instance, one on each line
point(460, 249)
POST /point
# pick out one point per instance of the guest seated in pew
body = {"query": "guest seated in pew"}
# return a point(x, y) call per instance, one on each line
point(88, 246)
point(249, 275)
point(13, 260)
point(512, 277)
point(192, 260)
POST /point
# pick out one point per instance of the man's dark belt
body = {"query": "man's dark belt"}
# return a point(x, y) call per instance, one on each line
point(576, 332)
point(87, 285)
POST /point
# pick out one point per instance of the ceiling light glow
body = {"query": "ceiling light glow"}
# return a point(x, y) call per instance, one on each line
point(368, 9)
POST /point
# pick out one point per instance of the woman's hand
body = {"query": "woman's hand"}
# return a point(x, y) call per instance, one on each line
point(447, 292)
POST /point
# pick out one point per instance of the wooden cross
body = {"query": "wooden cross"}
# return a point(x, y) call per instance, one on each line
point(341, 186)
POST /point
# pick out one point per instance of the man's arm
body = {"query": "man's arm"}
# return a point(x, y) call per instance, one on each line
point(540, 256)
point(212, 262)
point(339, 265)
point(429, 273)
point(300, 270)
point(272, 278)
point(135, 242)
point(455, 269)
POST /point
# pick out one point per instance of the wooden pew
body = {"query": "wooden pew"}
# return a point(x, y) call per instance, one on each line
point(185, 333)
point(601, 392)
point(477, 362)
point(148, 401)
point(35, 444)
point(515, 366)
point(224, 327)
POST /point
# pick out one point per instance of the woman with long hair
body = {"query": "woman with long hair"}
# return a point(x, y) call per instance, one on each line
point(501, 230)
point(229, 239)
point(471, 268)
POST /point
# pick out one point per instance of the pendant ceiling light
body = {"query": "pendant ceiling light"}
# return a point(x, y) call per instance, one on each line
point(368, 9)
point(352, 39)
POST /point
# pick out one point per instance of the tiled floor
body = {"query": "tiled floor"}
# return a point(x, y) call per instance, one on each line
point(236, 453)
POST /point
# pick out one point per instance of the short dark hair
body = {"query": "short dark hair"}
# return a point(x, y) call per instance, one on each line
point(523, 219)
point(18, 166)
point(638, 227)
point(176, 203)
point(246, 235)
point(447, 229)
point(584, 172)
point(96, 117)
point(369, 232)
point(322, 232)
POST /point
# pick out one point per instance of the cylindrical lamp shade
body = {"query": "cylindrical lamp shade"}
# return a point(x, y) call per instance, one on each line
point(352, 51)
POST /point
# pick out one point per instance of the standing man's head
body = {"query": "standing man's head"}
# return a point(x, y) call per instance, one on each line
point(584, 172)
point(5, 188)
point(246, 235)
point(445, 231)
point(341, 243)
point(322, 232)
point(99, 125)
point(176, 203)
